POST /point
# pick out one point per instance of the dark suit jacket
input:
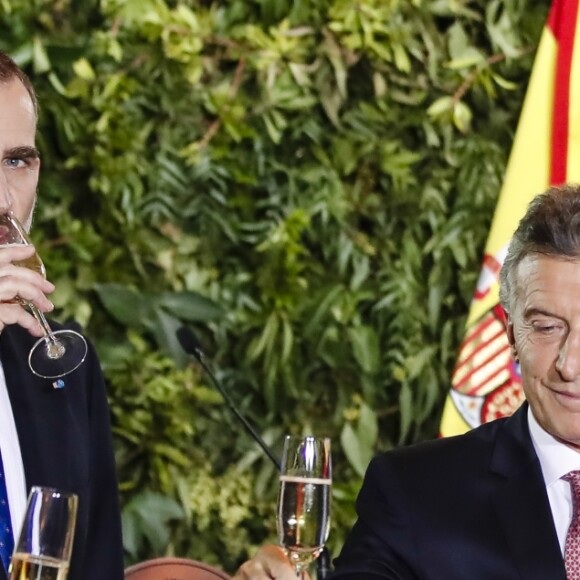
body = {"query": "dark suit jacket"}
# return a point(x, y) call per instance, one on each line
point(65, 440)
point(472, 507)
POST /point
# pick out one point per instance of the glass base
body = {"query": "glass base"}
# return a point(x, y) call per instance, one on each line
point(57, 355)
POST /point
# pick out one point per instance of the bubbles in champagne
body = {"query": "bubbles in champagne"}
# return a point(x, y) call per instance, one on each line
point(27, 567)
point(303, 516)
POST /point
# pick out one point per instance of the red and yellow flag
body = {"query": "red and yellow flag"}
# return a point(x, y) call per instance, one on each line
point(486, 382)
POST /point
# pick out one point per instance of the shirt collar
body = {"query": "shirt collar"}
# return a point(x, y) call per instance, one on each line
point(556, 459)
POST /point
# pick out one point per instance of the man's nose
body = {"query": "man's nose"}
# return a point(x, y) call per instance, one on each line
point(5, 195)
point(568, 363)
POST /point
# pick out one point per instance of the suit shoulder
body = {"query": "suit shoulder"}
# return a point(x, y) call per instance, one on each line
point(463, 454)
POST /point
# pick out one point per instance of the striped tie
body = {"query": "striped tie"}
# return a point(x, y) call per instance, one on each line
point(572, 549)
point(6, 537)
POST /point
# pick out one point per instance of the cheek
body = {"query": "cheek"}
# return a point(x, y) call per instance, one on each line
point(23, 189)
point(537, 360)
point(529, 354)
point(23, 201)
point(24, 183)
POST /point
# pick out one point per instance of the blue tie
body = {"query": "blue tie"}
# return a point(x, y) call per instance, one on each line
point(6, 538)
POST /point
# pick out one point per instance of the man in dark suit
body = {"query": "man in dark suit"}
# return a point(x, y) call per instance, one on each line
point(499, 501)
point(55, 437)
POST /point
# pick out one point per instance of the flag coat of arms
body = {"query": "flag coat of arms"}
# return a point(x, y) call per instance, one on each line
point(486, 382)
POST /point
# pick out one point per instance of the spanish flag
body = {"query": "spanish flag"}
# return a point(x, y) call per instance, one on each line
point(486, 382)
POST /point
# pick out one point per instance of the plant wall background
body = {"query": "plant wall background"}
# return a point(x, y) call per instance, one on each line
point(308, 184)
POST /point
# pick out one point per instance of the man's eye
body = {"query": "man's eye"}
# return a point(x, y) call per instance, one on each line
point(15, 163)
point(546, 328)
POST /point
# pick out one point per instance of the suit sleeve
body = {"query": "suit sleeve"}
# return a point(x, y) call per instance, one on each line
point(104, 546)
point(379, 545)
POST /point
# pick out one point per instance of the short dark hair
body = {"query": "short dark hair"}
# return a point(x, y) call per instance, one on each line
point(9, 71)
point(551, 226)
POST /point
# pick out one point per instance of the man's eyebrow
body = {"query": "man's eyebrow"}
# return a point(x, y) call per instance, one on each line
point(23, 152)
point(539, 312)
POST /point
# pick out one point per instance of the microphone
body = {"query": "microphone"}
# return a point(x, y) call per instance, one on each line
point(190, 345)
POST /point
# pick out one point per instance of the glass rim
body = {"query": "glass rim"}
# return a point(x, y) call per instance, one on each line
point(305, 437)
point(54, 491)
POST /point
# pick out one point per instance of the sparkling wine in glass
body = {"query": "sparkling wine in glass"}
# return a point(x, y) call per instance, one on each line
point(304, 499)
point(57, 353)
point(44, 546)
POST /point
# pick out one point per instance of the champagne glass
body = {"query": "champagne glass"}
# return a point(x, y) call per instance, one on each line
point(57, 353)
point(304, 499)
point(45, 542)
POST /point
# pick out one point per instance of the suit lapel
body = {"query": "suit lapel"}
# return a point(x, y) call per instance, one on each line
point(42, 433)
point(522, 503)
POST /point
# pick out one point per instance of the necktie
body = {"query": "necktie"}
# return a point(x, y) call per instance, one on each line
point(6, 538)
point(572, 549)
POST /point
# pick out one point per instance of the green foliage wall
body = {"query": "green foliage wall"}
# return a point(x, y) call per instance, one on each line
point(308, 184)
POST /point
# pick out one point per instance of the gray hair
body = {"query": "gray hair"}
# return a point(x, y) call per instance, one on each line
point(551, 227)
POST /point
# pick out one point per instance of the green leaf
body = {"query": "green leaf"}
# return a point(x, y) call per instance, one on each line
point(462, 116)
point(356, 454)
point(469, 58)
point(84, 70)
point(441, 106)
point(406, 411)
point(125, 304)
point(146, 518)
point(365, 346)
point(164, 327)
point(190, 306)
point(368, 427)
point(359, 443)
point(40, 58)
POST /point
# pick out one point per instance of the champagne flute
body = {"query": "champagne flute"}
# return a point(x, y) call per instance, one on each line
point(45, 542)
point(57, 353)
point(304, 499)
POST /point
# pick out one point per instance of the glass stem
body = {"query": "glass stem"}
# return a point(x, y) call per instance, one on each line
point(54, 348)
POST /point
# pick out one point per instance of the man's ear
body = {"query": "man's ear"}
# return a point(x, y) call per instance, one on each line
point(509, 329)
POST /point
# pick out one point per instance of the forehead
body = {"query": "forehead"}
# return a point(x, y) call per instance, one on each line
point(17, 115)
point(548, 281)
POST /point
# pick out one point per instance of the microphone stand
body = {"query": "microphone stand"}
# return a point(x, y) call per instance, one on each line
point(323, 564)
point(190, 345)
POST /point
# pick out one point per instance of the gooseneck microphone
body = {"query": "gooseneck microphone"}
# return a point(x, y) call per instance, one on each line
point(190, 345)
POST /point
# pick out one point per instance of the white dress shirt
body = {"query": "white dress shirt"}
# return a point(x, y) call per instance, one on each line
point(11, 459)
point(556, 460)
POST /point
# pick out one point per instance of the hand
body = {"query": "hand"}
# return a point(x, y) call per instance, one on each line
point(18, 282)
point(269, 563)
